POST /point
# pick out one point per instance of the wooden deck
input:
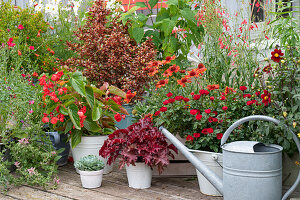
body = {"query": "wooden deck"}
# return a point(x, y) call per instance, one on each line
point(114, 187)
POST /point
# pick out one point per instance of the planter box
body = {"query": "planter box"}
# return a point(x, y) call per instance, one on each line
point(179, 166)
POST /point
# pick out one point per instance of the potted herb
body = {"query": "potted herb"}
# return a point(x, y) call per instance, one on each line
point(78, 108)
point(91, 170)
point(140, 147)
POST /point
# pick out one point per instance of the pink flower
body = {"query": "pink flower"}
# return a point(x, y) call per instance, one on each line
point(17, 164)
point(31, 102)
point(53, 152)
point(30, 111)
point(31, 170)
point(23, 141)
point(224, 108)
point(56, 180)
point(31, 47)
point(20, 27)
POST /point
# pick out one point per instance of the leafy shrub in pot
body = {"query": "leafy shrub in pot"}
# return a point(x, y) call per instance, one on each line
point(140, 142)
point(89, 163)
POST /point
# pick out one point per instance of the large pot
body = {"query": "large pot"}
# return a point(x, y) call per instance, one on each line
point(124, 123)
point(91, 179)
point(139, 176)
point(90, 145)
point(60, 141)
point(213, 161)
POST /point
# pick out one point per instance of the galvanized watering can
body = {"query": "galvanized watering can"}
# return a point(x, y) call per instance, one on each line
point(251, 170)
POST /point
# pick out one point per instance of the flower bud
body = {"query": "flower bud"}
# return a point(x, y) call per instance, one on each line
point(294, 124)
point(266, 59)
point(284, 114)
point(269, 86)
point(282, 61)
point(256, 75)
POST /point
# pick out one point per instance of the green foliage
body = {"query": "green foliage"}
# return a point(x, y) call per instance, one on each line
point(89, 163)
point(34, 33)
point(77, 107)
point(35, 163)
point(173, 32)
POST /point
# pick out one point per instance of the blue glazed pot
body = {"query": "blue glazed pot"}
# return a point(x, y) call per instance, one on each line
point(60, 141)
point(124, 123)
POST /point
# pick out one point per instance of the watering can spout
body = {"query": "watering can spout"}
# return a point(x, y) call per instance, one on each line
point(203, 169)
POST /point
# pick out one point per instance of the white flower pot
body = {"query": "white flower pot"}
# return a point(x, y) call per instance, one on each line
point(90, 145)
point(214, 162)
point(91, 179)
point(139, 176)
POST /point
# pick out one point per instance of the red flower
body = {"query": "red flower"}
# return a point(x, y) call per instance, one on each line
point(267, 68)
point(162, 83)
point(219, 136)
point(215, 112)
point(178, 98)
point(266, 97)
point(198, 117)
point(243, 88)
point(31, 47)
point(193, 112)
point(247, 95)
point(210, 119)
point(45, 119)
point(129, 96)
point(183, 81)
point(210, 130)
point(276, 55)
point(157, 113)
point(213, 87)
point(118, 117)
point(212, 98)
point(173, 69)
point(200, 66)
point(224, 108)
point(186, 100)
point(207, 130)
point(169, 94)
point(189, 138)
point(196, 135)
point(171, 100)
point(54, 120)
point(222, 98)
point(196, 97)
point(163, 109)
point(204, 92)
point(35, 74)
point(20, 27)
point(257, 93)
point(207, 111)
point(166, 102)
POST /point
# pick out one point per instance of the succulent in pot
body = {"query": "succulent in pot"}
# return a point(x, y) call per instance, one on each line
point(91, 170)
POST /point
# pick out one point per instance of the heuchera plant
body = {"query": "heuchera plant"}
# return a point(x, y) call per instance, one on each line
point(76, 107)
point(106, 53)
point(140, 142)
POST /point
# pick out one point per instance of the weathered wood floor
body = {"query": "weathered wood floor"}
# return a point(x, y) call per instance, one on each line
point(114, 187)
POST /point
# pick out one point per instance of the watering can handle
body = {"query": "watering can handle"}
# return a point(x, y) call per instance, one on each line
point(265, 118)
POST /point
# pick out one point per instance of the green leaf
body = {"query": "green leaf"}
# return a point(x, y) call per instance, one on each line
point(113, 105)
point(90, 96)
point(78, 83)
point(141, 4)
point(152, 3)
point(172, 2)
point(189, 15)
point(67, 103)
point(97, 112)
point(73, 114)
point(98, 91)
point(116, 91)
point(68, 126)
point(63, 110)
point(91, 126)
point(138, 34)
point(75, 137)
point(52, 108)
point(107, 131)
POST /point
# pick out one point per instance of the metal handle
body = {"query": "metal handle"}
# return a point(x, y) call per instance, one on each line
point(275, 121)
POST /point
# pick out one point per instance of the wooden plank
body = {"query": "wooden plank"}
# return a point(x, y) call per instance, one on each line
point(162, 188)
point(26, 193)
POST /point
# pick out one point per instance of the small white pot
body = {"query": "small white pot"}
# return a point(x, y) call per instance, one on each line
point(91, 179)
point(139, 176)
point(214, 162)
point(90, 145)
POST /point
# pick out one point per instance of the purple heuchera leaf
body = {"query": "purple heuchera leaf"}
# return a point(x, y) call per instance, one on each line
point(139, 142)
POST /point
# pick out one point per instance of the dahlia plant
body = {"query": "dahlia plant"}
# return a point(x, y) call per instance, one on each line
point(76, 107)
point(140, 142)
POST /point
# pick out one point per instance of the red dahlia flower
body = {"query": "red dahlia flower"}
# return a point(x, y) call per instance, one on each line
point(276, 55)
point(266, 97)
point(189, 138)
